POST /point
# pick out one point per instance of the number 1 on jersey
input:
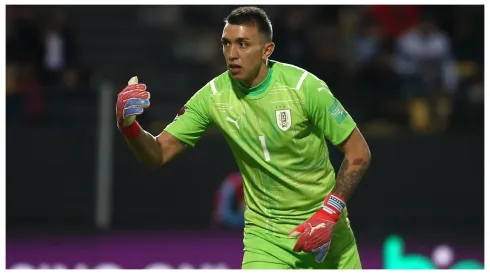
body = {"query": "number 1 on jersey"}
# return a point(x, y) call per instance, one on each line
point(264, 148)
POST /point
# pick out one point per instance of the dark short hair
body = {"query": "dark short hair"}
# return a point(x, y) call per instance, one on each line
point(254, 15)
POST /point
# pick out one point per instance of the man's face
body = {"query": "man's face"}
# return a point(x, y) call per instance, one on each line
point(244, 49)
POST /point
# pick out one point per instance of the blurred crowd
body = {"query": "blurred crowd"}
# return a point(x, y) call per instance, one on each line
point(417, 68)
point(42, 73)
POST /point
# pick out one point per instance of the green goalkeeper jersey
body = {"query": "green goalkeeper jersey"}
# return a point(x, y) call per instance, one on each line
point(277, 133)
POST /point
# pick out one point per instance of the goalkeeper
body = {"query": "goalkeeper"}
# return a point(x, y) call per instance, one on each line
point(275, 118)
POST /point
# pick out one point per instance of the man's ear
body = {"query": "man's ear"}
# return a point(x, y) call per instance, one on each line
point(268, 50)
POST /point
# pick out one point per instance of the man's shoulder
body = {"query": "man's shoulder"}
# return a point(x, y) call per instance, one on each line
point(221, 83)
point(287, 69)
point(292, 75)
point(214, 86)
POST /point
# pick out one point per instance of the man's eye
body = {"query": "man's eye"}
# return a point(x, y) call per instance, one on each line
point(243, 44)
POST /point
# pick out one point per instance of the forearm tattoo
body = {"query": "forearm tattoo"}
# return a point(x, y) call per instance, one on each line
point(349, 175)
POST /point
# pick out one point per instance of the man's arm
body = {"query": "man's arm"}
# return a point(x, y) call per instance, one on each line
point(186, 129)
point(355, 164)
point(328, 115)
point(316, 233)
point(155, 151)
point(336, 124)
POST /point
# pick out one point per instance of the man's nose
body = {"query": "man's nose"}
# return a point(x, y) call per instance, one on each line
point(233, 53)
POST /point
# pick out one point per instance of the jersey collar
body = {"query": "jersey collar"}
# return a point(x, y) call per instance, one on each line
point(258, 90)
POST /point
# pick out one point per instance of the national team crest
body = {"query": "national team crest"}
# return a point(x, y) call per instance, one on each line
point(283, 119)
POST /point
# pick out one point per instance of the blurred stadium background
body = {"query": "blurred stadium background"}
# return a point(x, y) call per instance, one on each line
point(76, 197)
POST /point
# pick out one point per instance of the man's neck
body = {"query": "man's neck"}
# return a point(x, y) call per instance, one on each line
point(261, 75)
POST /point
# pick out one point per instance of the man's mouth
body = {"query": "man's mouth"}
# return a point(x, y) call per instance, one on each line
point(234, 68)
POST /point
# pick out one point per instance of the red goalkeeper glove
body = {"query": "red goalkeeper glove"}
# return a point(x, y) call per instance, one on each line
point(315, 234)
point(130, 102)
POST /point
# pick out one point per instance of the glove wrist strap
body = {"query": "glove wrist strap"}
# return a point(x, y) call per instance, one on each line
point(131, 131)
point(333, 205)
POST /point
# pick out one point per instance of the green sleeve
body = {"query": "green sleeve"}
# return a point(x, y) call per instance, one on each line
point(193, 119)
point(326, 112)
